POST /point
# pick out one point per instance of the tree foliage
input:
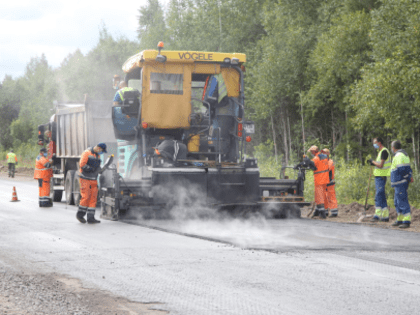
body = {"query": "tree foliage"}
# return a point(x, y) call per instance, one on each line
point(348, 68)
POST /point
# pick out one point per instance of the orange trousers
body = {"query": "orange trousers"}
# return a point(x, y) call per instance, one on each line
point(331, 200)
point(321, 194)
point(44, 187)
point(89, 193)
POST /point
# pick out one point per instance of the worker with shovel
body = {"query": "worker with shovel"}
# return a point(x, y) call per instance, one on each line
point(401, 176)
point(381, 171)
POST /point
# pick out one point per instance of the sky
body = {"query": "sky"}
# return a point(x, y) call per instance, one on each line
point(56, 28)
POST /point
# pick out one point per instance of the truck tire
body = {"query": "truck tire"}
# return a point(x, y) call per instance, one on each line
point(57, 195)
point(68, 187)
point(76, 189)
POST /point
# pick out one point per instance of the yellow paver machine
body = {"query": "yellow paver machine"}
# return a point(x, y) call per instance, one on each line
point(182, 140)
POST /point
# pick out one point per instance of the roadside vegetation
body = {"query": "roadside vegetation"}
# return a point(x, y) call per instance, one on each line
point(333, 73)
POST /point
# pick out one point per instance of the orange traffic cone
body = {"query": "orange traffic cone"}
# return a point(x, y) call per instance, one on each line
point(14, 195)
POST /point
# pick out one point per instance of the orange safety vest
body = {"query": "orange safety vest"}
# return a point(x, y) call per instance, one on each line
point(92, 159)
point(42, 168)
point(321, 175)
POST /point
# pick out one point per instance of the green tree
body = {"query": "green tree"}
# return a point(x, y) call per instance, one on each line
point(152, 26)
point(389, 87)
point(10, 98)
point(92, 74)
point(38, 89)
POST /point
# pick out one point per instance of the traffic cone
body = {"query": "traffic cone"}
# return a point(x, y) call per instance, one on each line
point(14, 195)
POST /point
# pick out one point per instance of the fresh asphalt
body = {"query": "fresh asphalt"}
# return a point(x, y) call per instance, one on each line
point(223, 266)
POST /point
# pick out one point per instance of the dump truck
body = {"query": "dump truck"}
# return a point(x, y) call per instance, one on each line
point(71, 130)
point(181, 136)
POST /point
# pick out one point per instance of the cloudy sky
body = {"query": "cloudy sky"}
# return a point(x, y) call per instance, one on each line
point(56, 28)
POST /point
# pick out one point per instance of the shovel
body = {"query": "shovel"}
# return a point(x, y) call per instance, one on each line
point(362, 216)
point(312, 210)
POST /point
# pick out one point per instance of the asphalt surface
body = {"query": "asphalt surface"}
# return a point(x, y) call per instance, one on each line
point(224, 266)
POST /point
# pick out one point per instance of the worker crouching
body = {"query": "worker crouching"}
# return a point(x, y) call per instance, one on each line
point(321, 178)
point(401, 176)
point(43, 173)
point(89, 169)
point(330, 200)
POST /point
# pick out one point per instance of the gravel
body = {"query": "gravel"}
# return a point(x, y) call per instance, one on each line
point(22, 293)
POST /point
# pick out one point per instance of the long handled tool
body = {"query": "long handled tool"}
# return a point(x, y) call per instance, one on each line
point(312, 210)
point(360, 219)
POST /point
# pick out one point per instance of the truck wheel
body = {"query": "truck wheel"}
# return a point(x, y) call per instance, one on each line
point(68, 187)
point(57, 195)
point(76, 189)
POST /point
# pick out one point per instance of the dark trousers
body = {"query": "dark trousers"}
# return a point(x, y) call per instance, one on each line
point(11, 169)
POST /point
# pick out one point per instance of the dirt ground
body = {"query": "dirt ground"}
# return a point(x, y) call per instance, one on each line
point(351, 213)
point(21, 173)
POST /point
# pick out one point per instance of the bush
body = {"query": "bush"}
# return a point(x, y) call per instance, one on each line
point(26, 154)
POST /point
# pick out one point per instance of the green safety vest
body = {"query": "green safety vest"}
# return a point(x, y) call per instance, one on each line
point(386, 169)
point(400, 160)
point(123, 90)
point(222, 90)
point(11, 157)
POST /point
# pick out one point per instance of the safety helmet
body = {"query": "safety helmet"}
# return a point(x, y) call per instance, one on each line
point(313, 148)
point(326, 151)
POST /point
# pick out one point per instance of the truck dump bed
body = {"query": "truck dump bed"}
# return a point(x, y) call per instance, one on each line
point(80, 126)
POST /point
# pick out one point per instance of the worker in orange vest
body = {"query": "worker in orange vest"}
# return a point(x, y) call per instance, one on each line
point(90, 163)
point(331, 200)
point(43, 173)
point(321, 178)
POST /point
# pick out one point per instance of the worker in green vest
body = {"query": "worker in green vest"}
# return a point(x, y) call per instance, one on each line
point(119, 96)
point(401, 176)
point(381, 171)
point(12, 162)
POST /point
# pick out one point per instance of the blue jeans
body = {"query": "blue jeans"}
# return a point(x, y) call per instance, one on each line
point(380, 197)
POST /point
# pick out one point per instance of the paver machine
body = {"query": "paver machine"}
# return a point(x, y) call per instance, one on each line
point(182, 141)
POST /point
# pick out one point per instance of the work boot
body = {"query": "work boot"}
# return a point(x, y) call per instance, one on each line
point(91, 218)
point(384, 219)
point(316, 213)
point(396, 223)
point(326, 213)
point(80, 216)
point(404, 226)
point(322, 214)
point(333, 215)
point(374, 219)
